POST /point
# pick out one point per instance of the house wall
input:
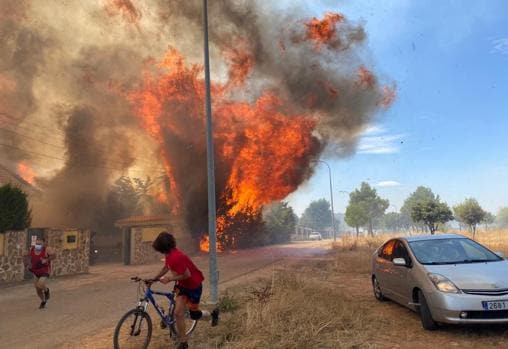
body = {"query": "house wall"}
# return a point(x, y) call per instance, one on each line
point(11, 257)
point(71, 257)
point(71, 247)
point(141, 249)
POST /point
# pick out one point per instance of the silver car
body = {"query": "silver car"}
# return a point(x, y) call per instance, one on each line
point(315, 236)
point(446, 278)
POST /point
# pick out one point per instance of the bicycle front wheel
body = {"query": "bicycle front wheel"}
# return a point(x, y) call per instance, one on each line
point(134, 330)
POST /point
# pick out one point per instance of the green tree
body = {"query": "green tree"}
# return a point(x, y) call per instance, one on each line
point(431, 212)
point(502, 217)
point(470, 212)
point(317, 216)
point(372, 205)
point(280, 222)
point(393, 221)
point(420, 194)
point(356, 217)
point(488, 219)
point(14, 211)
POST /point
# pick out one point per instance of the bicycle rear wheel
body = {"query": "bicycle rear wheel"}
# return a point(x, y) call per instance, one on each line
point(134, 330)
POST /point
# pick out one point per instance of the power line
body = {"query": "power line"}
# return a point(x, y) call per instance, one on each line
point(30, 152)
point(33, 139)
point(64, 134)
point(49, 130)
point(78, 166)
point(60, 147)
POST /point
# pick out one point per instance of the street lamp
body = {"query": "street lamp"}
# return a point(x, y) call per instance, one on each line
point(331, 196)
point(212, 235)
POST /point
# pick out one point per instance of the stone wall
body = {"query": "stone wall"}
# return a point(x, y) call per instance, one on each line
point(69, 261)
point(11, 260)
point(142, 251)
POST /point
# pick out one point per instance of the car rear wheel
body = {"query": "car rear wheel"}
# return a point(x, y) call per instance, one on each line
point(427, 322)
point(377, 290)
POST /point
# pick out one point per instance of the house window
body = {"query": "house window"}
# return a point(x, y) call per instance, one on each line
point(150, 234)
point(2, 244)
point(70, 240)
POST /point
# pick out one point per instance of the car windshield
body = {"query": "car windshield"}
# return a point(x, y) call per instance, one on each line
point(451, 251)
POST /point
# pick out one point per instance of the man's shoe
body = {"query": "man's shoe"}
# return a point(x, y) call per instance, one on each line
point(183, 345)
point(215, 317)
point(42, 305)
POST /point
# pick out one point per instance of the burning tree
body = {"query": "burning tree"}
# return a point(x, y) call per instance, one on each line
point(265, 143)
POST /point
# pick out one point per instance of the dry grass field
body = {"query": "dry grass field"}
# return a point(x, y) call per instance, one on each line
point(327, 302)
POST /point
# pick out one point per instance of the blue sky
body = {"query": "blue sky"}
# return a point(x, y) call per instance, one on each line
point(449, 125)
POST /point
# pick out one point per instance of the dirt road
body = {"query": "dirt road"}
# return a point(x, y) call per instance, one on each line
point(84, 305)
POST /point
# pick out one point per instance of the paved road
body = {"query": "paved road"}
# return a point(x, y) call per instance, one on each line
point(82, 305)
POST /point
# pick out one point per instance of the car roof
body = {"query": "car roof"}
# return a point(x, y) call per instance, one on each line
point(432, 237)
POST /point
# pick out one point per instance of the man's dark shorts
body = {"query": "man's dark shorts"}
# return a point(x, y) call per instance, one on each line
point(193, 296)
point(39, 275)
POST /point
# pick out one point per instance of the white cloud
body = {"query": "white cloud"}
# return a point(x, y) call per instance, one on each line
point(381, 144)
point(388, 184)
point(373, 130)
point(500, 46)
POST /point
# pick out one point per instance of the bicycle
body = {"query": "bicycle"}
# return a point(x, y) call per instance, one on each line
point(140, 318)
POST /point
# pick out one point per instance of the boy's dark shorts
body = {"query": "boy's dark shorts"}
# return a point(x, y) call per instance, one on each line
point(192, 296)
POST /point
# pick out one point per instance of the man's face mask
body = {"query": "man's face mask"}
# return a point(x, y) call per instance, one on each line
point(38, 246)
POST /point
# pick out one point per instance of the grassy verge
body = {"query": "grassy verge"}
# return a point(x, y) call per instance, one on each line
point(300, 306)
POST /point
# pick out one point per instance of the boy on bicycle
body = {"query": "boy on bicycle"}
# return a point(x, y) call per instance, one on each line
point(188, 286)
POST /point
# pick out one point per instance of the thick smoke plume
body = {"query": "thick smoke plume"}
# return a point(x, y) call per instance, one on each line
point(121, 81)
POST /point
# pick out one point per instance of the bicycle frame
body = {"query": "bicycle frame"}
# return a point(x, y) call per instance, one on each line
point(149, 298)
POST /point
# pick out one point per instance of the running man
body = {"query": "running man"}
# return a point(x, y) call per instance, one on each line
point(188, 286)
point(40, 265)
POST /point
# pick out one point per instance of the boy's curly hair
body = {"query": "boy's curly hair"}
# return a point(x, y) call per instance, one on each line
point(164, 243)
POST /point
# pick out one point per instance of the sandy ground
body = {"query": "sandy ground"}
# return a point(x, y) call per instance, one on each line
point(90, 305)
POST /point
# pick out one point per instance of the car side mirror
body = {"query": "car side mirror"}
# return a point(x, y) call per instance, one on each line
point(500, 254)
point(400, 262)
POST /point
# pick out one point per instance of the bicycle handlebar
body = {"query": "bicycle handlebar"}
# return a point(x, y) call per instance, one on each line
point(146, 281)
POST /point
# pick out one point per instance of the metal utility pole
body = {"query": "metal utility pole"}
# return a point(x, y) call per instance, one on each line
point(331, 197)
point(212, 235)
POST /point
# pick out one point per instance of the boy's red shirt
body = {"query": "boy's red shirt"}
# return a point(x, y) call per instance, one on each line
point(178, 262)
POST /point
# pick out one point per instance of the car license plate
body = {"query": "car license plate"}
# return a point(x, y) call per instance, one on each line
point(497, 305)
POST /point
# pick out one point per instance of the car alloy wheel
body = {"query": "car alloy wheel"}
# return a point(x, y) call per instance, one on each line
point(377, 290)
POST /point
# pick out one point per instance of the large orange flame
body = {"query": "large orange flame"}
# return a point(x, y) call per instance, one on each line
point(263, 146)
point(26, 172)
